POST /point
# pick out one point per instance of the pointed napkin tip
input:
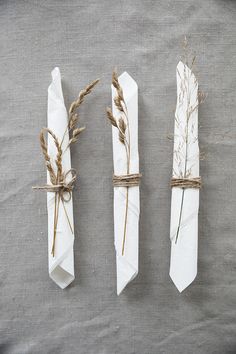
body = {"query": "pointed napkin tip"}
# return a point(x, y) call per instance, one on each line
point(180, 63)
point(120, 288)
point(55, 72)
point(118, 292)
point(124, 278)
point(180, 285)
point(125, 78)
point(182, 67)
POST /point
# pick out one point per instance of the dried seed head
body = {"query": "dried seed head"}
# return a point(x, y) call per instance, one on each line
point(73, 116)
point(81, 96)
point(73, 120)
point(121, 137)
point(73, 107)
point(122, 128)
point(111, 117)
point(75, 135)
point(117, 101)
point(77, 131)
point(89, 88)
point(47, 157)
point(117, 86)
point(115, 81)
point(122, 125)
point(120, 105)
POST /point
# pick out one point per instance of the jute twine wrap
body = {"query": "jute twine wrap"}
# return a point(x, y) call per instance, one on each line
point(185, 183)
point(130, 180)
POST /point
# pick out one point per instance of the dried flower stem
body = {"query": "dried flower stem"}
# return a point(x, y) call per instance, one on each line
point(73, 116)
point(123, 126)
point(56, 213)
point(185, 87)
point(127, 188)
point(185, 160)
point(73, 119)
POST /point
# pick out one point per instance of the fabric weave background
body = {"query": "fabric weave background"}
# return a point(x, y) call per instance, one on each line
point(86, 40)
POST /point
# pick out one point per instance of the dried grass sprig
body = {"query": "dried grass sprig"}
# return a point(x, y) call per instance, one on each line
point(48, 163)
point(116, 84)
point(122, 124)
point(88, 89)
point(74, 116)
point(122, 129)
point(54, 177)
point(111, 117)
point(186, 173)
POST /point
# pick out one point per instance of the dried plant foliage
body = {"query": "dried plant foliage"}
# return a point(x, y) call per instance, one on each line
point(122, 129)
point(181, 153)
point(45, 154)
point(111, 118)
point(122, 124)
point(74, 116)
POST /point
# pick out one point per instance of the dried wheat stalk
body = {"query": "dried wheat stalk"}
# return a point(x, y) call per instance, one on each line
point(122, 124)
point(74, 116)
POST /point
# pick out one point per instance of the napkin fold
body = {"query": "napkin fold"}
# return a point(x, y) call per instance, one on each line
point(126, 264)
point(184, 247)
point(61, 266)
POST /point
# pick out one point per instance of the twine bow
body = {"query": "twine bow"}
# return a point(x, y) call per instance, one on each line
point(64, 187)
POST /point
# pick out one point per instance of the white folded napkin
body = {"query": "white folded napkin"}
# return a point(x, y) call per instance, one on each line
point(184, 247)
point(61, 266)
point(127, 264)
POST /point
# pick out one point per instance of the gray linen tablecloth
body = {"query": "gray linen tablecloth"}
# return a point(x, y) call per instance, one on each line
point(86, 40)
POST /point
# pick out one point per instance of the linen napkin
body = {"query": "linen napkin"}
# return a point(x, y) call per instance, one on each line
point(126, 264)
point(61, 266)
point(185, 202)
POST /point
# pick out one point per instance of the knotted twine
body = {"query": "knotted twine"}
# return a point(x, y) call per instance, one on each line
point(63, 188)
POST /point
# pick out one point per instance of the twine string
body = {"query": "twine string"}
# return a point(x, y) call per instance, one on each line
point(184, 183)
point(129, 180)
